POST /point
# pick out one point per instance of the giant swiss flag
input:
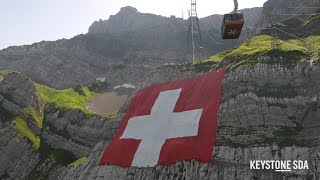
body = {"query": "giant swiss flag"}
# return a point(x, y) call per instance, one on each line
point(167, 123)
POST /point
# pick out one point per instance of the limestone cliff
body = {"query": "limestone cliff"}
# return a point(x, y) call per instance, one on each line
point(36, 136)
point(267, 112)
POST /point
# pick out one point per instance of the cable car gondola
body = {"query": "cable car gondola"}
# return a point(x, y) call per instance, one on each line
point(232, 25)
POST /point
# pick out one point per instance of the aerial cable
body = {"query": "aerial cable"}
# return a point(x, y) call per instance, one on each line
point(294, 14)
point(207, 30)
point(281, 31)
point(205, 26)
point(257, 24)
point(300, 5)
point(210, 17)
point(258, 28)
point(303, 40)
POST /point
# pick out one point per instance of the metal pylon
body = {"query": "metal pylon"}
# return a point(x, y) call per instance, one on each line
point(194, 35)
point(274, 34)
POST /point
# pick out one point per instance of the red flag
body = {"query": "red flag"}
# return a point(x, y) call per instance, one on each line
point(168, 123)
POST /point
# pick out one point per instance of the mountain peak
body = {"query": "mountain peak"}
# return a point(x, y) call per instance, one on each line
point(127, 19)
point(128, 10)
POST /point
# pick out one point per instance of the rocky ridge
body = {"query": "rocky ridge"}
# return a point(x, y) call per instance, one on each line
point(125, 46)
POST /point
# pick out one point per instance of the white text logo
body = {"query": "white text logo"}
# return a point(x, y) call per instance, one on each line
point(279, 165)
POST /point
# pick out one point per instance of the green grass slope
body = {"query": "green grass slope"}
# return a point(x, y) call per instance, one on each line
point(261, 50)
point(64, 99)
point(69, 99)
point(21, 126)
point(78, 162)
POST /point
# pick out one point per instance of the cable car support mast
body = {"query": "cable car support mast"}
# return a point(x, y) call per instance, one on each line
point(195, 33)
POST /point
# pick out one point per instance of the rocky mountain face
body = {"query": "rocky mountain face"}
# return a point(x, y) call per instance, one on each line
point(80, 60)
point(16, 93)
point(128, 19)
point(37, 138)
point(275, 11)
point(267, 112)
point(125, 46)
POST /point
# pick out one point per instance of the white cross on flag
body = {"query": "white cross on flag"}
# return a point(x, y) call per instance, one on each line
point(168, 123)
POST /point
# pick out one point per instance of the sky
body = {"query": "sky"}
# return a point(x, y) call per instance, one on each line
point(29, 21)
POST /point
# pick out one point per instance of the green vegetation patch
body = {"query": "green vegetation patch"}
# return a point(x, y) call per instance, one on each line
point(258, 46)
point(21, 126)
point(206, 65)
point(36, 114)
point(109, 116)
point(315, 42)
point(68, 99)
point(288, 53)
point(78, 162)
point(64, 99)
point(4, 72)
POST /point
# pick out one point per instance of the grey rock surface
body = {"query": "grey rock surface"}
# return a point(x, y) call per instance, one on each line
point(267, 112)
point(74, 131)
point(275, 11)
point(16, 93)
point(66, 131)
point(252, 125)
point(20, 90)
point(17, 157)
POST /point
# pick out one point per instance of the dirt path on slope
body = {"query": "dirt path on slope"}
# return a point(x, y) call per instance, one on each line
point(106, 103)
